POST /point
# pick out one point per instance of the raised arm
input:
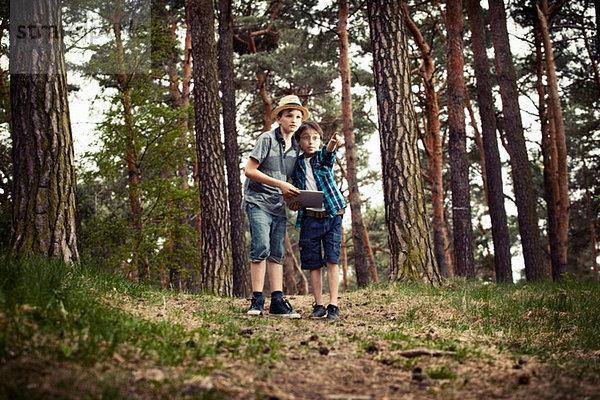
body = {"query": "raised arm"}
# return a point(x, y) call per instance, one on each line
point(334, 142)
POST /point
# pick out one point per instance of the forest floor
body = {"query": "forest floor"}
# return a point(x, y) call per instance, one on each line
point(391, 342)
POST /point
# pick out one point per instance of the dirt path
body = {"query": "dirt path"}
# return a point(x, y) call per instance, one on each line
point(382, 348)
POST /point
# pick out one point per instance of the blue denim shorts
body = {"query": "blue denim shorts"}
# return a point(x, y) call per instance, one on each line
point(320, 241)
point(267, 235)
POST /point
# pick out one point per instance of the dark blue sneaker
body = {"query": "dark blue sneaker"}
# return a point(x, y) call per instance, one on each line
point(257, 306)
point(333, 312)
point(318, 312)
point(282, 308)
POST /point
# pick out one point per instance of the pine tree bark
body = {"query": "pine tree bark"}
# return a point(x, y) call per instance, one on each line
point(358, 230)
point(560, 142)
point(411, 253)
point(344, 262)
point(371, 256)
point(43, 221)
point(434, 148)
point(459, 165)
point(548, 157)
point(215, 267)
point(493, 165)
point(294, 281)
point(521, 170)
point(232, 159)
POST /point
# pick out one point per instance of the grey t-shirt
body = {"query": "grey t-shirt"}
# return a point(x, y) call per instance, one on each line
point(274, 162)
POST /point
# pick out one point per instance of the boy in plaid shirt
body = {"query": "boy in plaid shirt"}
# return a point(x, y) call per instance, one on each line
point(323, 225)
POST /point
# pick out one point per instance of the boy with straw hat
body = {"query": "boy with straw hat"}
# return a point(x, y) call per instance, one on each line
point(268, 170)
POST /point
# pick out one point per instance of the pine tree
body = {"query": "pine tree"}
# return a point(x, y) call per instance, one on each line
point(43, 164)
point(493, 167)
point(409, 242)
point(459, 167)
point(216, 264)
point(238, 239)
point(535, 268)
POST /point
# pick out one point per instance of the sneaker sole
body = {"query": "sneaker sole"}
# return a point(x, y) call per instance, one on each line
point(288, 316)
point(254, 312)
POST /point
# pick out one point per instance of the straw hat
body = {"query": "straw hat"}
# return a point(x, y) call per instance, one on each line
point(293, 102)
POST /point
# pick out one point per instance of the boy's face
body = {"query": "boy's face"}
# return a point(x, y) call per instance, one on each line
point(310, 142)
point(289, 121)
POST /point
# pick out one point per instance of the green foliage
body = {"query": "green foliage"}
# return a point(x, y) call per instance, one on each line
point(163, 150)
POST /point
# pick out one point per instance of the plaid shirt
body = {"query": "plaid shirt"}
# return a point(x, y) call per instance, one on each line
point(322, 166)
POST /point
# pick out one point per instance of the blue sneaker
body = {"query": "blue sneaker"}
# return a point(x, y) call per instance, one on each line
point(318, 312)
point(282, 308)
point(333, 312)
point(257, 306)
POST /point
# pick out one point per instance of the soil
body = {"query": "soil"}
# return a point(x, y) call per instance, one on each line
point(367, 354)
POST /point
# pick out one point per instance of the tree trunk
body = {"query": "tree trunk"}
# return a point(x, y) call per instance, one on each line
point(138, 263)
point(459, 164)
point(43, 221)
point(344, 262)
point(294, 281)
point(215, 267)
point(232, 159)
point(521, 170)
point(434, 149)
point(547, 156)
point(358, 231)
point(592, 219)
point(411, 253)
point(371, 256)
point(559, 139)
point(185, 96)
point(493, 165)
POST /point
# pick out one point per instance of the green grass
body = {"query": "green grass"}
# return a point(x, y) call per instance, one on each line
point(62, 304)
point(58, 313)
point(442, 372)
point(540, 319)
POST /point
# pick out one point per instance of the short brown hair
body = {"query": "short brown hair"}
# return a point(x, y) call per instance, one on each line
point(308, 125)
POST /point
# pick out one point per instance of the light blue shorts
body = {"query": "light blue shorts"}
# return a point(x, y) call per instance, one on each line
point(267, 234)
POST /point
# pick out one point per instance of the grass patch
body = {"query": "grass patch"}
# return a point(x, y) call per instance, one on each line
point(49, 308)
point(442, 372)
point(539, 319)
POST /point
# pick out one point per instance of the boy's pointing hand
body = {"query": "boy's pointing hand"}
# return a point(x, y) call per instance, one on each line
point(334, 142)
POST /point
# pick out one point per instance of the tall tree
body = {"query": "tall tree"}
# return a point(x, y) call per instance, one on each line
point(544, 15)
point(548, 157)
point(493, 166)
point(166, 19)
point(232, 159)
point(358, 231)
point(408, 230)
point(521, 170)
point(459, 166)
point(432, 142)
point(124, 82)
point(215, 266)
point(43, 164)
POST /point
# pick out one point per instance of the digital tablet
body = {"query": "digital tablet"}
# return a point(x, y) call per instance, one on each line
point(310, 198)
